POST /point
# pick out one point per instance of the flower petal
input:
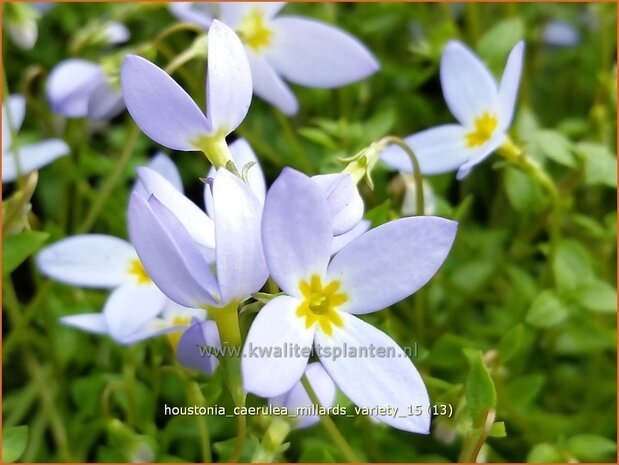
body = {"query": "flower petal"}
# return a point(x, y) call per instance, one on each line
point(192, 351)
point(90, 322)
point(164, 165)
point(116, 33)
point(390, 262)
point(391, 381)
point(17, 107)
point(199, 226)
point(276, 349)
point(468, 87)
point(269, 86)
point(228, 83)
point(105, 103)
point(344, 239)
point(197, 13)
point(32, 157)
point(160, 107)
point(169, 254)
point(345, 203)
point(296, 230)
point(242, 154)
point(508, 88)
point(241, 269)
point(70, 86)
point(233, 12)
point(481, 153)
point(130, 307)
point(89, 260)
point(438, 150)
point(297, 397)
point(315, 54)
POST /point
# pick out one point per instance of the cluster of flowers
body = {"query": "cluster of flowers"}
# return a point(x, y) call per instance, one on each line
point(186, 271)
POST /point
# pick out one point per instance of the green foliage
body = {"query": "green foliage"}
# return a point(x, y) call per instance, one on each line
point(518, 319)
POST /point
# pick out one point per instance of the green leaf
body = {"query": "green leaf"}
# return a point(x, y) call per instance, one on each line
point(572, 265)
point(600, 164)
point(592, 448)
point(545, 453)
point(555, 146)
point(497, 430)
point(318, 137)
point(379, 214)
point(511, 343)
point(598, 296)
point(522, 391)
point(523, 193)
point(18, 247)
point(480, 393)
point(546, 311)
point(497, 42)
point(14, 441)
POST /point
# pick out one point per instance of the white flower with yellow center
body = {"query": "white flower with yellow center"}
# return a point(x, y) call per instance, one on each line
point(484, 111)
point(284, 47)
point(323, 295)
point(136, 309)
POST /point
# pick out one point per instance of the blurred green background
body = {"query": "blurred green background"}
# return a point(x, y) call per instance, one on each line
point(500, 326)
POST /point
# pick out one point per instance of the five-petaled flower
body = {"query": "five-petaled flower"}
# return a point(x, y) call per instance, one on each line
point(300, 50)
point(169, 116)
point(484, 112)
point(323, 295)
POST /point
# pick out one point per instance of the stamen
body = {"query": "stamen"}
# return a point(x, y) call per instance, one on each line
point(484, 128)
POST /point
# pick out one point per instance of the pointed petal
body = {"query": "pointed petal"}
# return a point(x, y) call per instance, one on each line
point(481, 153)
point(241, 269)
point(333, 59)
point(89, 260)
point(508, 88)
point(160, 107)
point(242, 154)
point(339, 242)
point(232, 13)
point(228, 83)
point(90, 322)
point(297, 397)
point(468, 87)
point(192, 351)
point(438, 150)
point(296, 230)
point(33, 157)
point(17, 107)
point(164, 165)
point(105, 103)
point(276, 349)
point(390, 262)
point(391, 381)
point(195, 13)
point(130, 307)
point(199, 226)
point(169, 254)
point(269, 86)
point(70, 86)
point(345, 203)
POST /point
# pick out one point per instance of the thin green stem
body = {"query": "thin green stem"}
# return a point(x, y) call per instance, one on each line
point(195, 397)
point(241, 431)
point(329, 425)
point(417, 176)
point(284, 122)
point(472, 446)
point(273, 438)
point(111, 182)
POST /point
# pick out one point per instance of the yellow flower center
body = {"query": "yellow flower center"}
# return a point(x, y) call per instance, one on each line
point(137, 270)
point(484, 128)
point(254, 30)
point(320, 304)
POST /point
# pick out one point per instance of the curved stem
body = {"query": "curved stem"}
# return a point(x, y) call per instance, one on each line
point(240, 434)
point(173, 29)
point(481, 439)
point(273, 438)
point(185, 57)
point(195, 397)
point(419, 197)
point(329, 425)
point(519, 158)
